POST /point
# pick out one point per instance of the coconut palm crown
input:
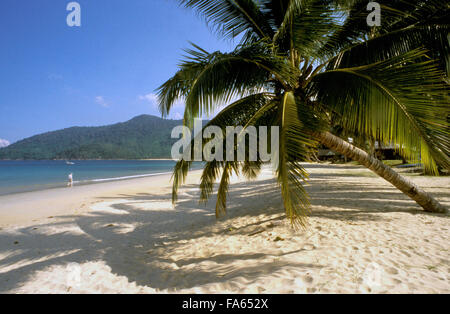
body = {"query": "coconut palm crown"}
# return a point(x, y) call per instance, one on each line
point(308, 65)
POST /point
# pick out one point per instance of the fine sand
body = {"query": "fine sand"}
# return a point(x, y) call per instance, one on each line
point(363, 236)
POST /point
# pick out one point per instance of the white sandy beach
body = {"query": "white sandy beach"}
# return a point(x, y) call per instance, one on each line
point(364, 236)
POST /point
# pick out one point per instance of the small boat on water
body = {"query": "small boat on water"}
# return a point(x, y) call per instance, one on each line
point(70, 163)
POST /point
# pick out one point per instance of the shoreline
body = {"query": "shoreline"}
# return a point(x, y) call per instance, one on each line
point(14, 208)
point(89, 182)
point(25, 186)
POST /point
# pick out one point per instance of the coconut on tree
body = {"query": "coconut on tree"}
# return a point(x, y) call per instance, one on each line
point(307, 65)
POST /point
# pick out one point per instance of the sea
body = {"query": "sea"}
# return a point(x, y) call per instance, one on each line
point(26, 176)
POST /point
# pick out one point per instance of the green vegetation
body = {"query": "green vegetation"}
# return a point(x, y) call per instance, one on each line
point(142, 137)
point(310, 65)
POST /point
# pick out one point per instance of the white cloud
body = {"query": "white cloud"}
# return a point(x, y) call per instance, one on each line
point(153, 100)
point(101, 101)
point(4, 143)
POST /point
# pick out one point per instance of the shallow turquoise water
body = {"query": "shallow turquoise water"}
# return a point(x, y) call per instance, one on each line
point(23, 176)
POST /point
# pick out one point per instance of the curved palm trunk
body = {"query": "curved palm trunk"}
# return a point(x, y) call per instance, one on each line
point(403, 184)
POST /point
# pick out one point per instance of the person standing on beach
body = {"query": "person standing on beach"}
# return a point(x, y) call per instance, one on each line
point(70, 183)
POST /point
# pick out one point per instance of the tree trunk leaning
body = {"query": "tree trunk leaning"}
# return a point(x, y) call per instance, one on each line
point(409, 188)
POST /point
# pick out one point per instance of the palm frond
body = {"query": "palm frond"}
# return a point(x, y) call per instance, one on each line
point(241, 111)
point(398, 101)
point(230, 18)
point(405, 24)
point(222, 192)
point(306, 26)
point(432, 37)
point(251, 169)
point(275, 11)
point(210, 173)
point(208, 80)
point(296, 145)
point(378, 83)
point(237, 113)
point(180, 172)
point(246, 112)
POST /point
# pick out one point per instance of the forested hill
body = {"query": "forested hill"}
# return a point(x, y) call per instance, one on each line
point(142, 137)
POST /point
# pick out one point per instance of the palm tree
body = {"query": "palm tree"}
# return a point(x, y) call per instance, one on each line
point(306, 65)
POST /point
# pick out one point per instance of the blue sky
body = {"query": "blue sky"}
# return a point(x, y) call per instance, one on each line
point(54, 76)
